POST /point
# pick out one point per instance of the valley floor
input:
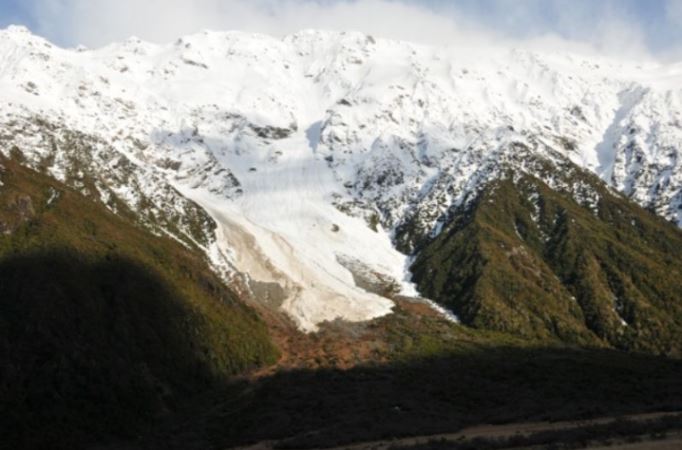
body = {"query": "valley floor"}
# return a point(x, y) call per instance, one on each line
point(432, 384)
point(498, 436)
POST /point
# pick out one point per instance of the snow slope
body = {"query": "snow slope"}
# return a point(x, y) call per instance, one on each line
point(319, 148)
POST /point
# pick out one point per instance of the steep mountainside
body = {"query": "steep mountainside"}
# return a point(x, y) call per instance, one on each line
point(531, 260)
point(103, 326)
point(306, 161)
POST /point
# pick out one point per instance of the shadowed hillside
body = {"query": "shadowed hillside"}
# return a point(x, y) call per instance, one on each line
point(471, 384)
point(103, 326)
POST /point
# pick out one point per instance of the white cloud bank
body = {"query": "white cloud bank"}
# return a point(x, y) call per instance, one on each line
point(98, 22)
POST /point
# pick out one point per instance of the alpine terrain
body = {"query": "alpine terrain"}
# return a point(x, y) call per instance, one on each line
point(229, 203)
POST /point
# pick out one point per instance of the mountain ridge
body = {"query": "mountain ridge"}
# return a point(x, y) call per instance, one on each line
point(526, 259)
point(350, 142)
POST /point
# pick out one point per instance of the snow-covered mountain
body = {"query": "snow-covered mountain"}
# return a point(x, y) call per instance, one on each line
point(306, 161)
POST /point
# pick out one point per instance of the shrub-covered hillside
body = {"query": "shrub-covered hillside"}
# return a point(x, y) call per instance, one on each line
point(104, 326)
point(530, 260)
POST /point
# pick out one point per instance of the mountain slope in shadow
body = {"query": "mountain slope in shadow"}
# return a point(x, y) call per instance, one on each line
point(105, 327)
point(475, 384)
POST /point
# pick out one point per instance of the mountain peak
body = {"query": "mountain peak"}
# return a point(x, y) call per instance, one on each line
point(17, 29)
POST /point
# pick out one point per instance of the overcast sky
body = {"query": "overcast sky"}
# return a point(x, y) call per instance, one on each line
point(624, 28)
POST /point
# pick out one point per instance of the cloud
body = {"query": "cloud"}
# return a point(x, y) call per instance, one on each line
point(554, 24)
point(98, 22)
